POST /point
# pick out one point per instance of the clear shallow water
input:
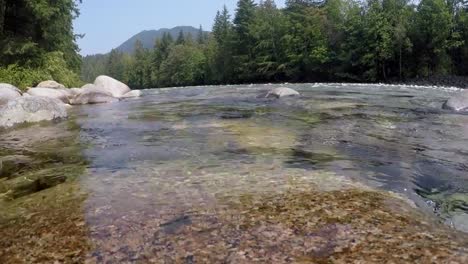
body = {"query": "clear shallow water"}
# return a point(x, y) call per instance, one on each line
point(202, 157)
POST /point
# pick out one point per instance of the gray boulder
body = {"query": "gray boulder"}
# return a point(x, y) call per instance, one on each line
point(133, 93)
point(95, 89)
point(75, 91)
point(31, 109)
point(282, 92)
point(51, 84)
point(8, 92)
point(115, 88)
point(93, 97)
point(458, 102)
point(60, 94)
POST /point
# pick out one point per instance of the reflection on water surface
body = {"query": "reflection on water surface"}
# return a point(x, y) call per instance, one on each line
point(217, 174)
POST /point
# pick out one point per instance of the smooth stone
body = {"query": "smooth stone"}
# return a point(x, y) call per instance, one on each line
point(9, 165)
point(50, 84)
point(75, 91)
point(460, 222)
point(282, 92)
point(31, 109)
point(131, 94)
point(458, 102)
point(37, 180)
point(88, 88)
point(111, 85)
point(93, 98)
point(60, 94)
point(88, 85)
point(8, 92)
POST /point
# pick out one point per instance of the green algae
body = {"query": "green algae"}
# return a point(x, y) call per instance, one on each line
point(45, 227)
point(42, 160)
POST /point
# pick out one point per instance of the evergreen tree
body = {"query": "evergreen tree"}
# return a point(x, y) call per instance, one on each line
point(433, 38)
point(140, 75)
point(307, 45)
point(184, 66)
point(34, 33)
point(244, 41)
point(309, 40)
point(201, 36)
point(269, 28)
point(223, 65)
point(180, 38)
point(115, 67)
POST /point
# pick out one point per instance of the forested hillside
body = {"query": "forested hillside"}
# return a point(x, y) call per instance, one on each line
point(37, 42)
point(332, 40)
point(149, 37)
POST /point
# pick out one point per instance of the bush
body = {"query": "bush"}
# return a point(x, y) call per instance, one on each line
point(53, 67)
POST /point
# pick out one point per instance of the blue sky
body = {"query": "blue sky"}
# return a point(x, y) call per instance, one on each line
point(108, 23)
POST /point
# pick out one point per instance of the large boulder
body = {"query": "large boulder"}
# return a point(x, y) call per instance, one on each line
point(282, 92)
point(458, 102)
point(60, 94)
point(51, 84)
point(87, 88)
point(75, 91)
point(8, 92)
point(133, 93)
point(31, 109)
point(93, 97)
point(114, 87)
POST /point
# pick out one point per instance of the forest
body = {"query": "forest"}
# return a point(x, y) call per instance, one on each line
point(37, 42)
point(307, 41)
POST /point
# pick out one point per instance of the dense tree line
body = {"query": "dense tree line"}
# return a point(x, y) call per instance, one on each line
point(37, 42)
point(308, 40)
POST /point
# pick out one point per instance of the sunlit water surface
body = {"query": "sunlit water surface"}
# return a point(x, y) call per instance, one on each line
point(177, 157)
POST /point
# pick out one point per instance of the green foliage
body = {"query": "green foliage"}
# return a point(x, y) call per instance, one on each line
point(22, 77)
point(308, 40)
point(184, 66)
point(53, 67)
point(37, 42)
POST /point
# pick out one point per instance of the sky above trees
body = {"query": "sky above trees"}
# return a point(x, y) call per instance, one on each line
point(108, 23)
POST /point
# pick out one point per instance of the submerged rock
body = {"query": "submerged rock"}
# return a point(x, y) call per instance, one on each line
point(51, 84)
point(22, 186)
point(458, 102)
point(8, 92)
point(9, 165)
point(31, 109)
point(282, 92)
point(111, 85)
point(60, 94)
point(91, 97)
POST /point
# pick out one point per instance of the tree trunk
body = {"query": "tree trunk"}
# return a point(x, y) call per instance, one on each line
point(2, 15)
point(384, 72)
point(400, 64)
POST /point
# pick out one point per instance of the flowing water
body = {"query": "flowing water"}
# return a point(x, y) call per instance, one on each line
point(221, 174)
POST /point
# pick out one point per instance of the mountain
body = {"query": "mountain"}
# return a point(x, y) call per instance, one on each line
point(148, 37)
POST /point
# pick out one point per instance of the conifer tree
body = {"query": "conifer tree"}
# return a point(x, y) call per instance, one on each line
point(180, 38)
point(244, 42)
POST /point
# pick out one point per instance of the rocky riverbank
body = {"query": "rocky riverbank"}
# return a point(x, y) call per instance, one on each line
point(49, 100)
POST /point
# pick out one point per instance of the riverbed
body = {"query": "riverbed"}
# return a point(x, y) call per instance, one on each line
point(344, 173)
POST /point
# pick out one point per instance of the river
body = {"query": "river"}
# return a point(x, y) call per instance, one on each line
point(346, 172)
